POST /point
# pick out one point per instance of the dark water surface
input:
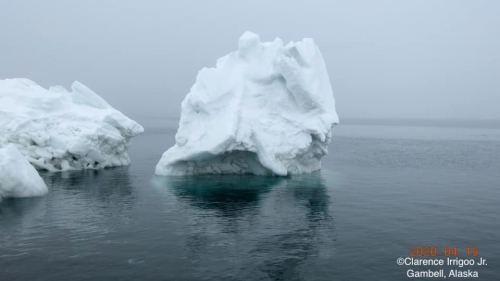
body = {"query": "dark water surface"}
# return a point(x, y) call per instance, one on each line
point(382, 190)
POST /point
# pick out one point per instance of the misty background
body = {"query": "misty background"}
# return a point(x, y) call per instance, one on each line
point(386, 59)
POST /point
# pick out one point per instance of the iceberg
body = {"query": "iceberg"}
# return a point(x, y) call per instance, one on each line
point(57, 130)
point(265, 109)
point(17, 177)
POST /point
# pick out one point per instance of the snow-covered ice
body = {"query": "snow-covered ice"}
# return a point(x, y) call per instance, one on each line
point(17, 177)
point(60, 130)
point(265, 109)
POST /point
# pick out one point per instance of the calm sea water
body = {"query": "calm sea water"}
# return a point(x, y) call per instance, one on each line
point(382, 190)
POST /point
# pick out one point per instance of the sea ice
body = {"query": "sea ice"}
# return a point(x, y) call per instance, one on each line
point(17, 177)
point(60, 130)
point(265, 109)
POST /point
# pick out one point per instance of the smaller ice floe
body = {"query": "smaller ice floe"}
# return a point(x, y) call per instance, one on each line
point(57, 130)
point(17, 177)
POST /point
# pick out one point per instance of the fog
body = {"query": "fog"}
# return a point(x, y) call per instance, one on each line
point(386, 59)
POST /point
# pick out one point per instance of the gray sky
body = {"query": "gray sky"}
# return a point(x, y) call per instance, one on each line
point(386, 59)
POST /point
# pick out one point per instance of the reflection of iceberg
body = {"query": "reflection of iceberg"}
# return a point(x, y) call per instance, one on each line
point(299, 230)
point(76, 222)
point(229, 194)
point(278, 225)
point(28, 209)
point(103, 185)
point(82, 200)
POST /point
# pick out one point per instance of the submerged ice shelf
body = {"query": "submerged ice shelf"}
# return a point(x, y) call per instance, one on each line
point(264, 109)
point(17, 177)
point(59, 130)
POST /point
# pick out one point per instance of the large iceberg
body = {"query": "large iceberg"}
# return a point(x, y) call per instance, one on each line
point(265, 109)
point(59, 130)
point(17, 177)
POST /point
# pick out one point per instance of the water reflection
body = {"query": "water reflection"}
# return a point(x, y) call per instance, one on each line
point(105, 185)
point(74, 223)
point(78, 203)
point(13, 208)
point(274, 224)
point(230, 195)
point(305, 230)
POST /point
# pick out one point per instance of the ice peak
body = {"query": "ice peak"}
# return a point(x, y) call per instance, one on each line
point(248, 42)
